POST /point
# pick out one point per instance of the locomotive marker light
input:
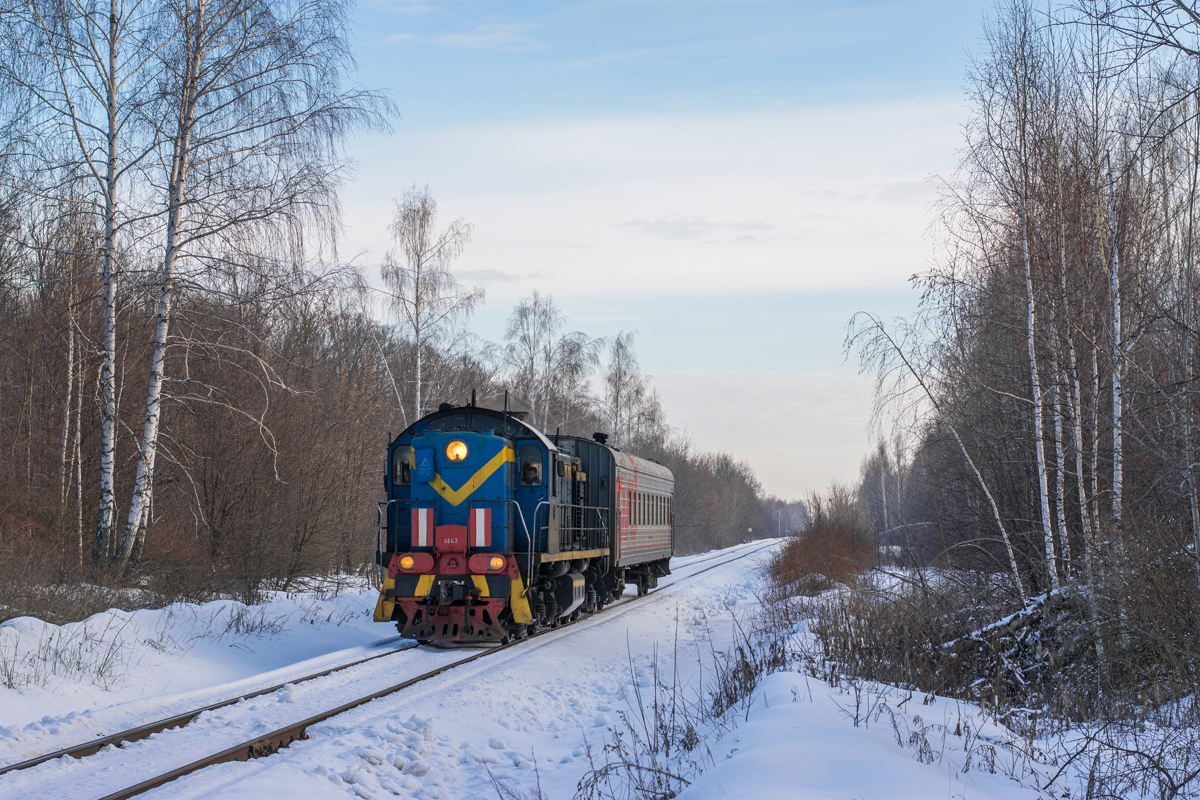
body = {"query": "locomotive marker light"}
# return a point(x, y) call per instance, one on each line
point(407, 562)
point(496, 562)
point(456, 451)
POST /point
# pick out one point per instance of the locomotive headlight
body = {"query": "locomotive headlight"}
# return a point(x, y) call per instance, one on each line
point(407, 562)
point(496, 562)
point(457, 450)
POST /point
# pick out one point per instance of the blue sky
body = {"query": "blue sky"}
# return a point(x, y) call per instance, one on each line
point(465, 61)
point(731, 179)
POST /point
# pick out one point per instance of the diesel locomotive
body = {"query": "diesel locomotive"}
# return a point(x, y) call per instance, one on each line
point(491, 529)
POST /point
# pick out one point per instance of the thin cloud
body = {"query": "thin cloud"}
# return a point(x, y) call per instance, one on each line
point(691, 228)
point(408, 6)
point(500, 36)
point(486, 276)
point(908, 193)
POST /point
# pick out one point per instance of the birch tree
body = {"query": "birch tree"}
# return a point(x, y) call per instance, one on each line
point(252, 107)
point(422, 291)
point(79, 76)
point(548, 365)
point(1011, 89)
point(631, 406)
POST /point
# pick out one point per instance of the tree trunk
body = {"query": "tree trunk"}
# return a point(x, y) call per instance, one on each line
point(63, 485)
point(1118, 462)
point(139, 506)
point(108, 341)
point(79, 468)
point(1038, 402)
point(1060, 459)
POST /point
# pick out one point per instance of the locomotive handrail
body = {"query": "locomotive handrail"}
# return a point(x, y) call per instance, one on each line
point(381, 509)
point(595, 536)
point(538, 508)
point(528, 539)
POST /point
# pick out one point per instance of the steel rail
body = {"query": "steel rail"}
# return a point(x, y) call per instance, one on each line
point(180, 720)
point(277, 740)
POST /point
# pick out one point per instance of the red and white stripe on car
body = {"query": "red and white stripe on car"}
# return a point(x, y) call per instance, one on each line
point(422, 527)
point(480, 527)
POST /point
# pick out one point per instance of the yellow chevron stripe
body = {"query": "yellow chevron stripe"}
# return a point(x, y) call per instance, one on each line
point(455, 496)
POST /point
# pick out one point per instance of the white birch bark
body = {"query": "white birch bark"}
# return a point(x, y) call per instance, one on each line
point(1118, 461)
point(63, 473)
point(1038, 402)
point(1060, 459)
point(108, 340)
point(1086, 520)
point(139, 506)
point(420, 355)
point(79, 470)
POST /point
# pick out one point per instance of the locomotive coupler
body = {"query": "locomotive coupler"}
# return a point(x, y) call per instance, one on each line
point(450, 591)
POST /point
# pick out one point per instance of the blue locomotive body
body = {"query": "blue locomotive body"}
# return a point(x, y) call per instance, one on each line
point(490, 530)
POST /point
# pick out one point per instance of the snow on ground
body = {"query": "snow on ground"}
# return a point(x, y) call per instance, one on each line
point(799, 740)
point(66, 684)
point(526, 717)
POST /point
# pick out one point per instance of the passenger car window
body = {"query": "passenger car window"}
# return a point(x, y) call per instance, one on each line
point(531, 465)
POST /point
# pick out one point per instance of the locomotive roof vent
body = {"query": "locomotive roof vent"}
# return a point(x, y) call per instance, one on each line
point(602, 438)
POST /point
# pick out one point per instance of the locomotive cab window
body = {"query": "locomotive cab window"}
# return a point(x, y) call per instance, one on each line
point(401, 466)
point(531, 465)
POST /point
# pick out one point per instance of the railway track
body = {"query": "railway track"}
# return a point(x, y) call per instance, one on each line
point(280, 738)
point(94, 746)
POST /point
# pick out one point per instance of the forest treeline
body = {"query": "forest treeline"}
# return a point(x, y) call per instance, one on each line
point(195, 393)
point(1041, 408)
